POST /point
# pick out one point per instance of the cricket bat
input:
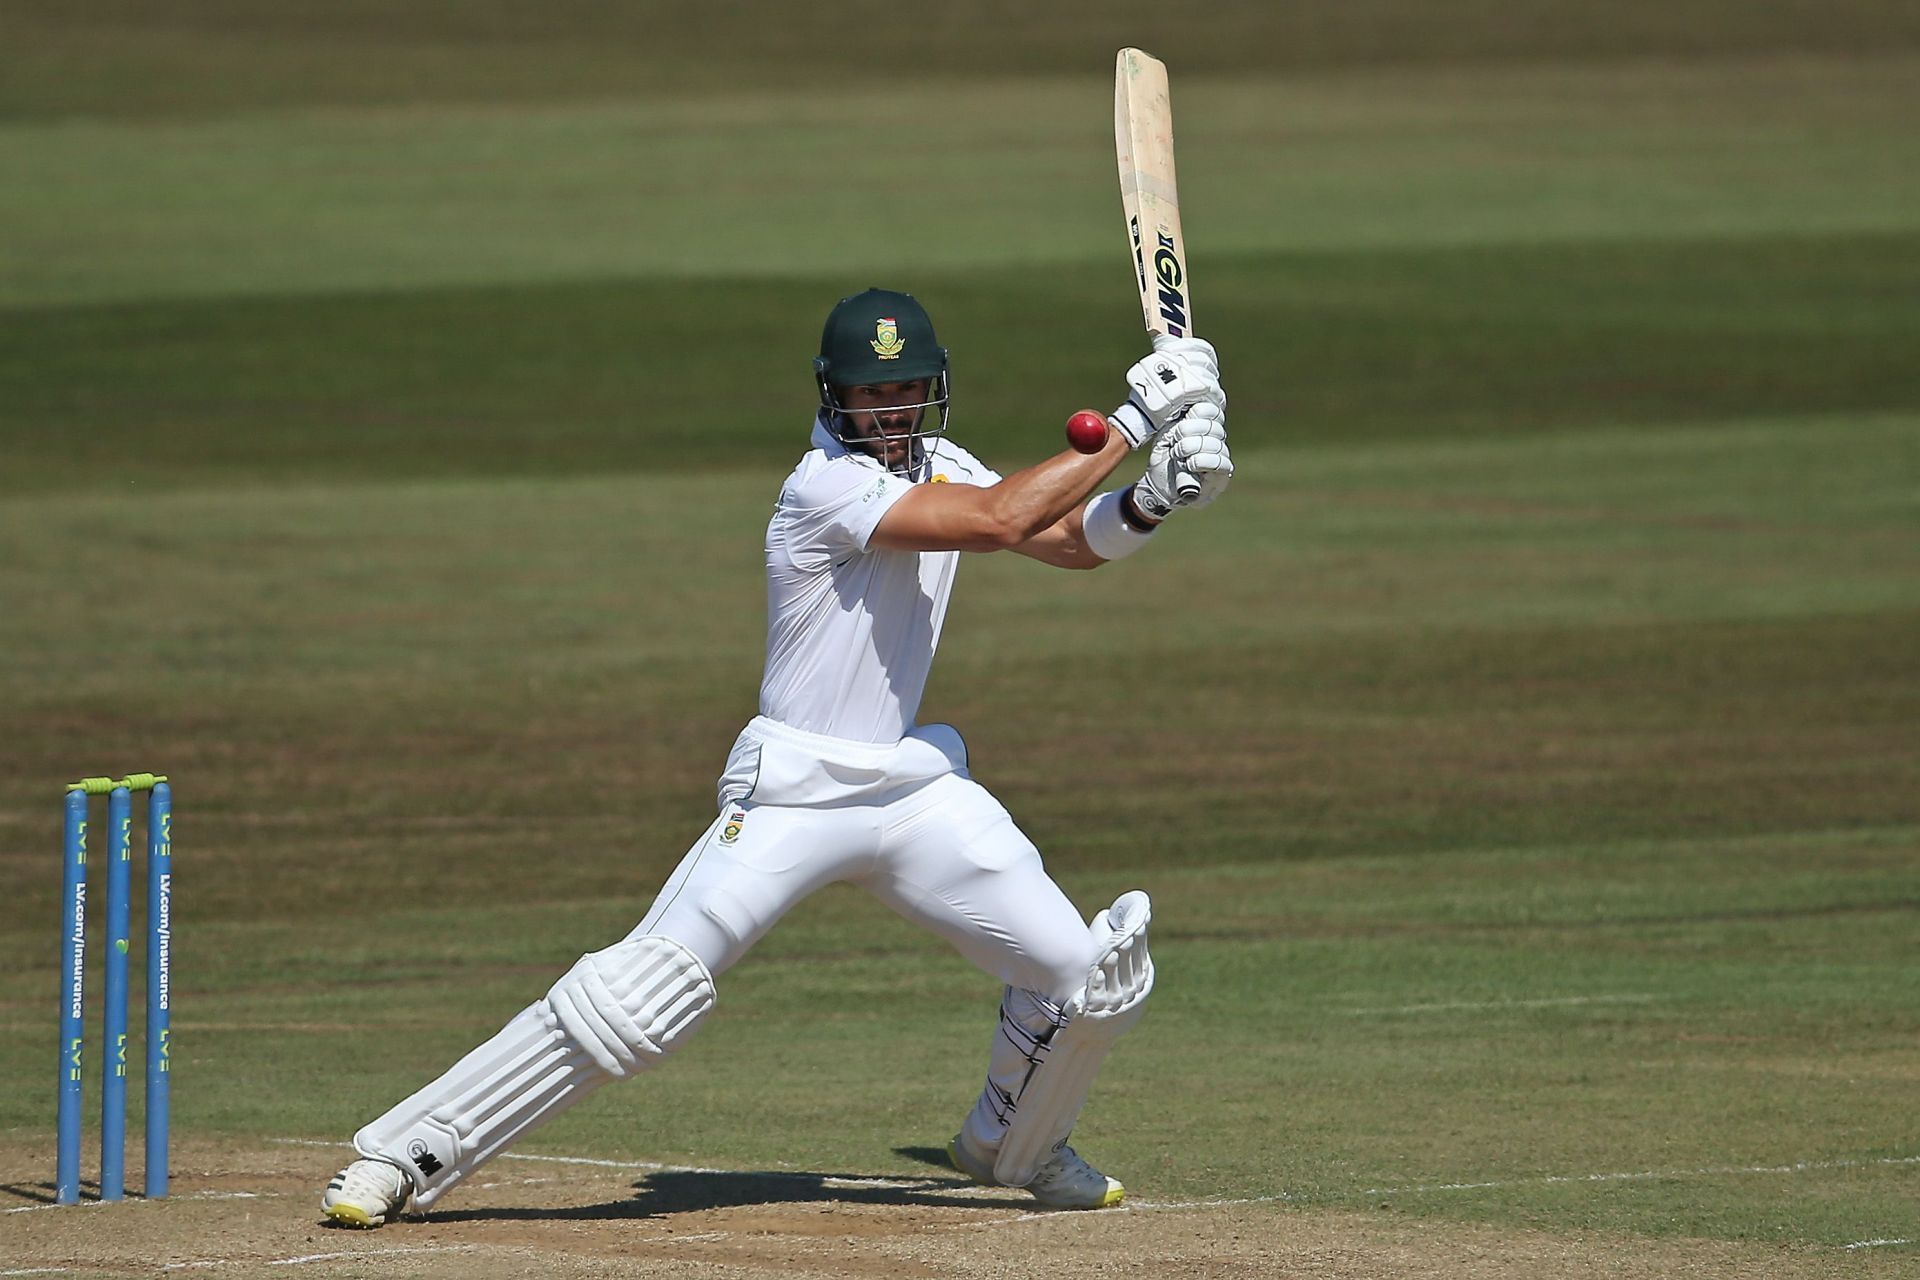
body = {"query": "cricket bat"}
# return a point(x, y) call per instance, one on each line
point(1150, 198)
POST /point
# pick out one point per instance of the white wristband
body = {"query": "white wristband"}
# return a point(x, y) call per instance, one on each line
point(1108, 533)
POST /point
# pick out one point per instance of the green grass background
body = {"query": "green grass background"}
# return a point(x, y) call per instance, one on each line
point(391, 399)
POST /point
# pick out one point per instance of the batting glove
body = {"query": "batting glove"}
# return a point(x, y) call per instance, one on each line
point(1165, 386)
point(1195, 351)
point(1195, 446)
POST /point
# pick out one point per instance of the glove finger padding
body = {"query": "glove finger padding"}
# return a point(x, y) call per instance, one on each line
point(1195, 446)
point(1202, 436)
point(1186, 446)
point(1214, 471)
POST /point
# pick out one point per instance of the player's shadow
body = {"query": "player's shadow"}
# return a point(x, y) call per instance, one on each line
point(677, 1191)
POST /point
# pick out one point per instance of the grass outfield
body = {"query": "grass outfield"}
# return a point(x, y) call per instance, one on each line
point(126, 58)
point(1531, 811)
point(419, 293)
point(765, 183)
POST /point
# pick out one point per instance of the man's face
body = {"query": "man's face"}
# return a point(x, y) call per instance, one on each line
point(874, 413)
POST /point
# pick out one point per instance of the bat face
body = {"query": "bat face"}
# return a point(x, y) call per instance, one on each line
point(1150, 197)
point(1149, 192)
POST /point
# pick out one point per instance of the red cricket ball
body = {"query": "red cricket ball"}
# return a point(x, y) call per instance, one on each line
point(1087, 431)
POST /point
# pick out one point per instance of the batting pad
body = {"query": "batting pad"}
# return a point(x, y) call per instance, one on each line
point(615, 1012)
point(628, 1005)
point(1064, 1066)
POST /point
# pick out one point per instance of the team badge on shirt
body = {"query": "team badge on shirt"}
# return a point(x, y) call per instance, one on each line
point(886, 338)
point(731, 832)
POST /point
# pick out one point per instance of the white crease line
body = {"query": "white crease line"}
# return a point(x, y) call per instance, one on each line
point(1877, 1244)
point(1149, 1205)
point(369, 1253)
point(879, 1182)
point(61, 1271)
point(81, 1204)
point(649, 1165)
point(1125, 1206)
point(95, 1204)
point(1802, 1166)
point(1549, 1003)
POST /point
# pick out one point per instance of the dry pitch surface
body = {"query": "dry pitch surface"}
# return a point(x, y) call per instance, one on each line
point(253, 1211)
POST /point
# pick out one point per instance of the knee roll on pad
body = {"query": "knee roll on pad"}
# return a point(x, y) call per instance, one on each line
point(615, 1012)
point(1115, 995)
point(628, 1005)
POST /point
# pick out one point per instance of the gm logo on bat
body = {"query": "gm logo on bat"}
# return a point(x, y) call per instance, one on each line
point(1173, 298)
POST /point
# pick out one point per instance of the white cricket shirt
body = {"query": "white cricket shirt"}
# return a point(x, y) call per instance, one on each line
point(851, 631)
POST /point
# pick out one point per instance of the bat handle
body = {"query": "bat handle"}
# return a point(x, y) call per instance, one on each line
point(1186, 486)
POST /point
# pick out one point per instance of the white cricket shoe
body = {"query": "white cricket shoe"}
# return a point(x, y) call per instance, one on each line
point(367, 1193)
point(1064, 1182)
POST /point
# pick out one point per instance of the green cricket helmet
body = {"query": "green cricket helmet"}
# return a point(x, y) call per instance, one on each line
point(876, 337)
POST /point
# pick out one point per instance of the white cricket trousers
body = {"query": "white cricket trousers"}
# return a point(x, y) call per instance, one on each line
point(800, 811)
point(902, 821)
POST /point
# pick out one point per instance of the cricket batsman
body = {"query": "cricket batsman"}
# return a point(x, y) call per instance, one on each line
point(836, 780)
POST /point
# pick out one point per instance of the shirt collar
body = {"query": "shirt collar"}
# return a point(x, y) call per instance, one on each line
point(825, 439)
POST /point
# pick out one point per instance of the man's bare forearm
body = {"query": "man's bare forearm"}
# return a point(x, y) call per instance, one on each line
point(1001, 516)
point(1036, 497)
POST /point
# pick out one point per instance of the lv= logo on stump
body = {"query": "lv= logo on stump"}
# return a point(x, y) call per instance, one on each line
point(159, 959)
